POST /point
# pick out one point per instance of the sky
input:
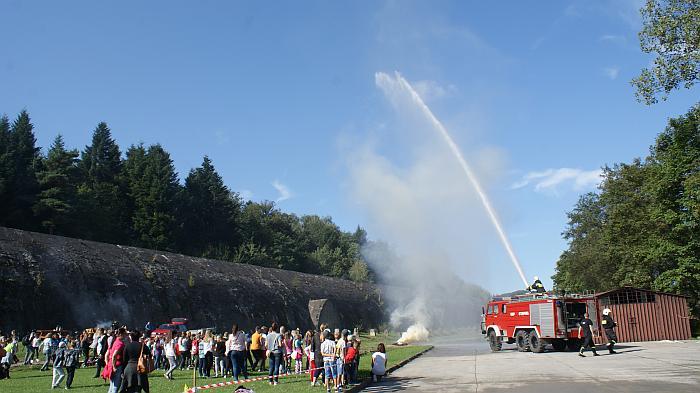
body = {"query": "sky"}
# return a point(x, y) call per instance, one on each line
point(270, 91)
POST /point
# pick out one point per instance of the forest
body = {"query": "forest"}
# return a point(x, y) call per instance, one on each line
point(136, 198)
point(642, 227)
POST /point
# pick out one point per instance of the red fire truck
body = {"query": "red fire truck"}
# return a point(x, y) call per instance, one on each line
point(533, 321)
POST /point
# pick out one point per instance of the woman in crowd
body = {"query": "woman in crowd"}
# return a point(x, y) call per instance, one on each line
point(274, 351)
point(219, 352)
point(379, 361)
point(101, 347)
point(307, 343)
point(171, 356)
point(237, 344)
point(157, 350)
point(133, 381)
point(199, 349)
point(85, 341)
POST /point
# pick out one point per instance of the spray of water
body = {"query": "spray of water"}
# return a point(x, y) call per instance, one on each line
point(465, 167)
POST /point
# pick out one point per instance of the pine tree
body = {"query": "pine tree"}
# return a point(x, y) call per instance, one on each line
point(153, 188)
point(21, 159)
point(102, 198)
point(209, 212)
point(58, 182)
point(6, 169)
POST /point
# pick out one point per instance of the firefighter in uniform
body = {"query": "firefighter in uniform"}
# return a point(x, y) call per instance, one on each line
point(586, 325)
point(609, 327)
point(536, 286)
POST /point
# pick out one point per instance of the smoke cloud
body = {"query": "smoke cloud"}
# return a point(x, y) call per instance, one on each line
point(418, 200)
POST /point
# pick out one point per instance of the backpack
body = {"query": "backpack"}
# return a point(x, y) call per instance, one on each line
point(71, 358)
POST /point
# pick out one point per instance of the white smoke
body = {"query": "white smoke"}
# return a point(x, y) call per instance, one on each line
point(418, 199)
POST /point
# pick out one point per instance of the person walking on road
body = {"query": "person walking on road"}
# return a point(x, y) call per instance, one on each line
point(609, 327)
point(586, 325)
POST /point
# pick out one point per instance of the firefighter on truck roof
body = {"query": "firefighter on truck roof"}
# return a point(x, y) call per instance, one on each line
point(609, 327)
point(586, 325)
point(537, 286)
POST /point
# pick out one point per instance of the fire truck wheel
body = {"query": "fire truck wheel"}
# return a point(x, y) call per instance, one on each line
point(495, 342)
point(523, 340)
point(536, 344)
point(559, 345)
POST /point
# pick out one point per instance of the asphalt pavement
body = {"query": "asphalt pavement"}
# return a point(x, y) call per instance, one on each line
point(467, 365)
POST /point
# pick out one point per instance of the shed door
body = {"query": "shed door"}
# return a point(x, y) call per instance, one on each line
point(593, 314)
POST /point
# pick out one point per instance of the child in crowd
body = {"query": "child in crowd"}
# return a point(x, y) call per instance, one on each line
point(71, 359)
point(379, 361)
point(298, 353)
point(351, 361)
point(288, 349)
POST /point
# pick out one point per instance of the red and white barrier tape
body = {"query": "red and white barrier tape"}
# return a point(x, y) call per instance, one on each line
point(248, 380)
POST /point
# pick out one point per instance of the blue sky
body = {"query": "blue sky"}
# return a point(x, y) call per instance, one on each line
point(268, 89)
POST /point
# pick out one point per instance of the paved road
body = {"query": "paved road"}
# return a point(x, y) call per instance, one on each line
point(468, 366)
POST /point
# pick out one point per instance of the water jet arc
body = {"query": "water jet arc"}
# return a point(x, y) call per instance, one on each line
point(467, 170)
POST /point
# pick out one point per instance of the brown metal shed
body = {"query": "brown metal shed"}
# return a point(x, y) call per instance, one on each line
point(644, 315)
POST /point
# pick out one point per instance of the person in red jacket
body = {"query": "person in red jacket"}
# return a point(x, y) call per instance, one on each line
point(351, 361)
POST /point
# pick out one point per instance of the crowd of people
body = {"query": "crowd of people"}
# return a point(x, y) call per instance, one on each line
point(331, 358)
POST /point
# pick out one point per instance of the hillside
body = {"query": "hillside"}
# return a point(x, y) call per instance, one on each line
point(49, 280)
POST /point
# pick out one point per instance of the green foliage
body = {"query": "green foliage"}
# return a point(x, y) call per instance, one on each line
point(102, 207)
point(643, 227)
point(19, 160)
point(153, 189)
point(208, 213)
point(671, 30)
point(139, 201)
point(58, 180)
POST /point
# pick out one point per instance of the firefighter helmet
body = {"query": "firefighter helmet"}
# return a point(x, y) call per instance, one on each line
point(606, 311)
point(536, 278)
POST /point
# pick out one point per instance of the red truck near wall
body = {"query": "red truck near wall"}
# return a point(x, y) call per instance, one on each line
point(534, 321)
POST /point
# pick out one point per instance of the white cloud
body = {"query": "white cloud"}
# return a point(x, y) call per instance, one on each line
point(430, 90)
point(550, 180)
point(611, 72)
point(284, 191)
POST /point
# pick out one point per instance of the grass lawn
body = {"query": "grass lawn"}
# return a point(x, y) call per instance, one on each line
point(30, 379)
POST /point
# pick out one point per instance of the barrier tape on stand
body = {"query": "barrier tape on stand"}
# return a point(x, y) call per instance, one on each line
point(248, 380)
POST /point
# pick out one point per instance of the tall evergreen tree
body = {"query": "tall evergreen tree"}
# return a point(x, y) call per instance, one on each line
point(102, 197)
point(21, 159)
point(209, 212)
point(58, 181)
point(6, 169)
point(153, 188)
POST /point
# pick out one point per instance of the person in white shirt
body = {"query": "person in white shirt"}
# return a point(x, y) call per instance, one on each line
point(170, 355)
point(328, 353)
point(379, 363)
point(237, 343)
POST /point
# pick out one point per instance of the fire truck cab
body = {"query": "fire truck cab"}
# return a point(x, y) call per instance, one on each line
point(533, 321)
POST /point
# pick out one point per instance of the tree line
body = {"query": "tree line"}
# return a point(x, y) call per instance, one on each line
point(137, 199)
point(642, 226)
